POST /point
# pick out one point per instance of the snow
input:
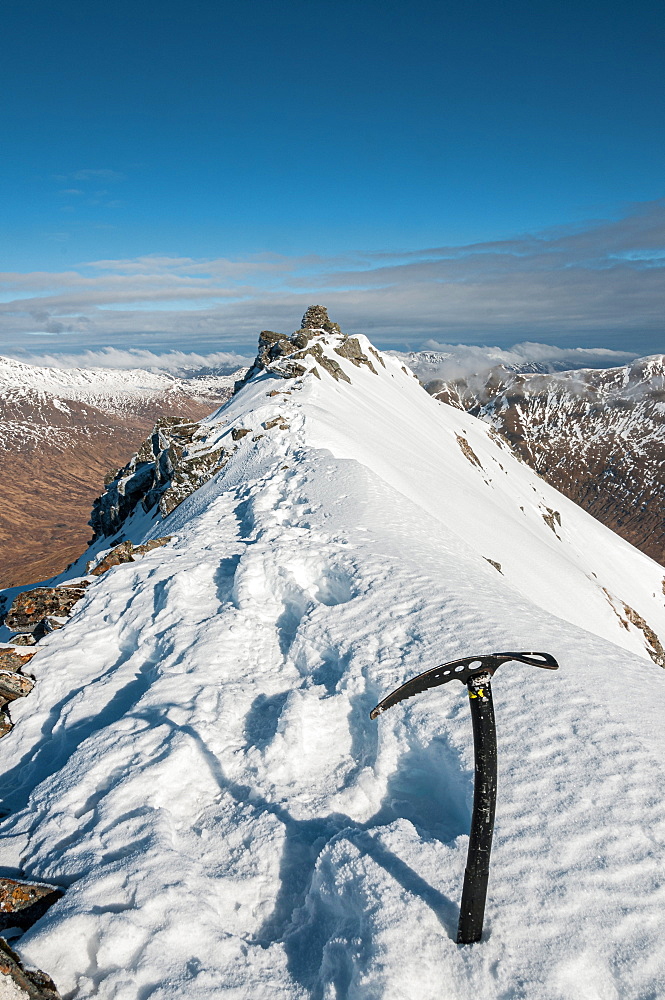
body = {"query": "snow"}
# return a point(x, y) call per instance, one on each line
point(110, 390)
point(197, 765)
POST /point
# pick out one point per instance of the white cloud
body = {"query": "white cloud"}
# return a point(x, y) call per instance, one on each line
point(451, 361)
point(600, 285)
point(176, 362)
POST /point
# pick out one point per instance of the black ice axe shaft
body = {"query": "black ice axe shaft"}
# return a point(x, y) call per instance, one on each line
point(475, 672)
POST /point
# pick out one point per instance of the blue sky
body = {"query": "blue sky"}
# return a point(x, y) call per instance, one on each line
point(474, 171)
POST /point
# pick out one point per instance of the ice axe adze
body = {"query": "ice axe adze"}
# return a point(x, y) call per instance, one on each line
point(475, 672)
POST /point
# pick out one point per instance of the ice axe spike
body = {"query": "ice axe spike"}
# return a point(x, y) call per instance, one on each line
point(475, 672)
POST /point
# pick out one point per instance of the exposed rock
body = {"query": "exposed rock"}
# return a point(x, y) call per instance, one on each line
point(653, 644)
point(352, 350)
point(316, 318)
point(11, 660)
point(629, 617)
point(239, 432)
point(316, 352)
point(468, 451)
point(493, 562)
point(551, 518)
point(13, 685)
point(17, 982)
point(32, 607)
point(170, 465)
point(23, 903)
point(24, 639)
point(373, 350)
point(125, 552)
point(121, 553)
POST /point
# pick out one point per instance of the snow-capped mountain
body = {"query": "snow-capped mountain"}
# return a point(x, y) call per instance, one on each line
point(596, 435)
point(196, 764)
point(61, 430)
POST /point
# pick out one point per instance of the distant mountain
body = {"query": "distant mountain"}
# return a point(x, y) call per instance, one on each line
point(598, 436)
point(61, 431)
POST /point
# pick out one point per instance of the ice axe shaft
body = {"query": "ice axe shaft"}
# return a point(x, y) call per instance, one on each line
point(475, 672)
point(477, 872)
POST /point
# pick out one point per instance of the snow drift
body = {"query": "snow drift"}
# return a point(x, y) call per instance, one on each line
point(197, 766)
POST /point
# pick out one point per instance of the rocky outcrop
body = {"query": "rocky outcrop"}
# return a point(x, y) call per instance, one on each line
point(19, 983)
point(291, 357)
point(170, 465)
point(41, 607)
point(125, 552)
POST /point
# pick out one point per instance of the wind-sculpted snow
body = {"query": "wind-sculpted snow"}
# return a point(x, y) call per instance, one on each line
point(196, 762)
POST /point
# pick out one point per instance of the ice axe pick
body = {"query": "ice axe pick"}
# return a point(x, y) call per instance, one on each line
point(475, 672)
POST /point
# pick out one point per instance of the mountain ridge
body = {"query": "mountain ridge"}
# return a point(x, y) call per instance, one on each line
point(196, 763)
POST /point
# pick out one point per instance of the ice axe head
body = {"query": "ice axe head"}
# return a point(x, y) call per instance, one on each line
point(460, 670)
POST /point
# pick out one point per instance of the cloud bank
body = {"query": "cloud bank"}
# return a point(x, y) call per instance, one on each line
point(600, 284)
point(451, 361)
point(176, 362)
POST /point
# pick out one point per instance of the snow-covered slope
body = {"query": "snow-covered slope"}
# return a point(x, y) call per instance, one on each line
point(196, 762)
point(596, 435)
point(36, 402)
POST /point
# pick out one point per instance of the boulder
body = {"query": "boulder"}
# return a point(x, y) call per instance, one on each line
point(125, 552)
point(13, 686)
point(19, 983)
point(11, 659)
point(30, 608)
point(23, 903)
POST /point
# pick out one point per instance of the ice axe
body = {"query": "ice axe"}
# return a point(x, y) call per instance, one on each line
point(475, 672)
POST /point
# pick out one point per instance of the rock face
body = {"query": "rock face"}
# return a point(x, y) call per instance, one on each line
point(60, 432)
point(598, 436)
point(170, 464)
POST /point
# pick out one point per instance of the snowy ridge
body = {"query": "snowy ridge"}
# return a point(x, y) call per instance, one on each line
point(101, 387)
point(196, 761)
